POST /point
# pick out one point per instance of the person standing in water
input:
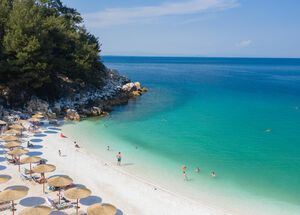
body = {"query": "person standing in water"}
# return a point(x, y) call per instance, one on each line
point(108, 148)
point(184, 172)
point(119, 159)
point(197, 170)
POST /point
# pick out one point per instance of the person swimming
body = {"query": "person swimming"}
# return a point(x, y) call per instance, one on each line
point(213, 174)
point(268, 130)
point(184, 168)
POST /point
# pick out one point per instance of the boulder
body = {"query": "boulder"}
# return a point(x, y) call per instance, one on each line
point(129, 87)
point(72, 114)
point(135, 93)
point(96, 111)
point(36, 104)
point(137, 85)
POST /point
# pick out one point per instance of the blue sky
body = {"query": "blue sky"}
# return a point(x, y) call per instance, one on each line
point(238, 28)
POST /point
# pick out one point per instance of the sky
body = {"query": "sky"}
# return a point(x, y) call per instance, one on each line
point(208, 28)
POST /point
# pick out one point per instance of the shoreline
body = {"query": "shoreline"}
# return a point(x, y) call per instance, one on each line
point(163, 198)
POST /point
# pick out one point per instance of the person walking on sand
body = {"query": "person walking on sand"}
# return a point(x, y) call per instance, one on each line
point(59, 153)
point(119, 159)
point(184, 172)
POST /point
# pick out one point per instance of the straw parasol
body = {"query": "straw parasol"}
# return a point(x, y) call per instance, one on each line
point(11, 194)
point(12, 131)
point(30, 160)
point(34, 120)
point(39, 116)
point(43, 168)
point(12, 144)
point(16, 127)
point(18, 152)
point(9, 138)
point(2, 122)
point(21, 121)
point(77, 193)
point(38, 210)
point(101, 209)
point(59, 181)
point(4, 178)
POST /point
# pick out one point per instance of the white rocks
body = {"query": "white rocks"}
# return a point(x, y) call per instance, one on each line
point(72, 114)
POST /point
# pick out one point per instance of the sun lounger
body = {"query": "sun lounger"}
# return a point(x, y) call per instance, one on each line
point(5, 207)
point(25, 177)
point(4, 203)
point(62, 206)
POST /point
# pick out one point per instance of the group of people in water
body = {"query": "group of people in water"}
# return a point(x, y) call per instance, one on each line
point(197, 170)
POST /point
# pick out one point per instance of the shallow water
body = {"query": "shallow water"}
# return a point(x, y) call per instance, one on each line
point(238, 117)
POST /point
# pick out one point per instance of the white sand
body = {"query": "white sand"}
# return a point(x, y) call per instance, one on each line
point(107, 181)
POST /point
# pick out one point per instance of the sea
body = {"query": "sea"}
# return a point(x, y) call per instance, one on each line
point(238, 117)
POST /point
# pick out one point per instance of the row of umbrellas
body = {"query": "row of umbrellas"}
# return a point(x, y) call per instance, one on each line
point(14, 193)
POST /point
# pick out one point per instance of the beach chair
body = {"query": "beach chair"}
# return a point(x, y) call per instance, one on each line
point(5, 207)
point(25, 177)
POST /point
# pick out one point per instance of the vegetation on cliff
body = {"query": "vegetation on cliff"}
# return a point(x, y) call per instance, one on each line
point(45, 51)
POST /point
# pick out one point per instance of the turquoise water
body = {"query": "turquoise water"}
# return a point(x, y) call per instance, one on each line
point(238, 117)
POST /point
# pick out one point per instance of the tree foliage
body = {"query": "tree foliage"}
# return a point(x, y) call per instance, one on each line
point(44, 43)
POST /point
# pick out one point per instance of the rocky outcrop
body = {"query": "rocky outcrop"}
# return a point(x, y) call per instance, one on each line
point(36, 104)
point(72, 114)
point(117, 90)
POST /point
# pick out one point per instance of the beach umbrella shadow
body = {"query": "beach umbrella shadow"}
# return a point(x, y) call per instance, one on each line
point(2, 167)
point(57, 213)
point(36, 140)
point(50, 132)
point(2, 159)
point(40, 135)
point(90, 200)
point(32, 201)
point(119, 212)
point(55, 129)
point(36, 147)
point(2, 152)
point(35, 153)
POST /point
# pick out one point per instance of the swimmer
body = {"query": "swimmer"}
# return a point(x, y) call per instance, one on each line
point(213, 174)
point(184, 172)
point(268, 130)
point(197, 170)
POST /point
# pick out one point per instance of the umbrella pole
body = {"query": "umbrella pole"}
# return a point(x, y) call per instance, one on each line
point(30, 169)
point(13, 207)
point(59, 195)
point(77, 208)
point(19, 163)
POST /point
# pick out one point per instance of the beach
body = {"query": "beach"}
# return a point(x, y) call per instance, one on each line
point(108, 183)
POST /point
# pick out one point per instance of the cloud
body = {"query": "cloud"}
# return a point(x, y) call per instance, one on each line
point(120, 16)
point(244, 43)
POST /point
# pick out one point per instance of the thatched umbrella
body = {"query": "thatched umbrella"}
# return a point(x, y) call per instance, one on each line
point(2, 122)
point(21, 121)
point(4, 178)
point(38, 116)
point(11, 194)
point(18, 152)
point(34, 120)
point(12, 131)
point(101, 209)
point(42, 169)
point(30, 160)
point(16, 127)
point(12, 144)
point(77, 193)
point(59, 181)
point(37, 210)
point(9, 138)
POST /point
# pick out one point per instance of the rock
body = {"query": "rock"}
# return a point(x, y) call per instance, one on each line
point(72, 114)
point(137, 85)
point(96, 111)
point(135, 93)
point(129, 87)
point(144, 90)
point(36, 104)
point(57, 108)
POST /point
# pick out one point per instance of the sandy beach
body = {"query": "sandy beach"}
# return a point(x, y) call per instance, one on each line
point(108, 182)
